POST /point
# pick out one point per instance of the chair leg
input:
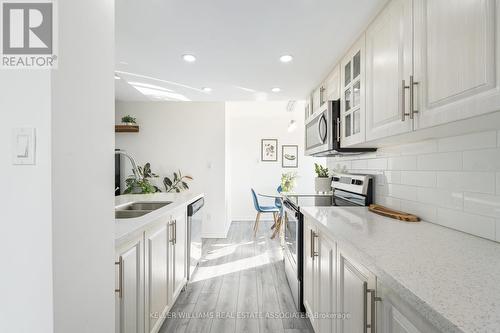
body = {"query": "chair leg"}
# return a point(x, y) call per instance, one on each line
point(256, 225)
point(278, 226)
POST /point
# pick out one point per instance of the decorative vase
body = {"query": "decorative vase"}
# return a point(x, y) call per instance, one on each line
point(323, 184)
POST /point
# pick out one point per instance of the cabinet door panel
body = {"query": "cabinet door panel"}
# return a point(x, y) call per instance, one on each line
point(309, 276)
point(327, 289)
point(351, 295)
point(129, 307)
point(455, 46)
point(388, 63)
point(180, 250)
point(156, 276)
point(352, 109)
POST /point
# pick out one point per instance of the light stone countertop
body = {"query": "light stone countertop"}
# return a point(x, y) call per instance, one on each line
point(451, 278)
point(126, 229)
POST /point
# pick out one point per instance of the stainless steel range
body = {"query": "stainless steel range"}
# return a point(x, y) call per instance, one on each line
point(348, 190)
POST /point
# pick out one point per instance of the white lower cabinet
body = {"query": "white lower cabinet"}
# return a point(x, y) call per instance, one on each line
point(319, 278)
point(395, 316)
point(157, 300)
point(129, 298)
point(343, 296)
point(356, 296)
point(151, 272)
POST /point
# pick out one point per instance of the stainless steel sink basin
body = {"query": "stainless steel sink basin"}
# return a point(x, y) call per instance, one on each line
point(139, 208)
point(127, 214)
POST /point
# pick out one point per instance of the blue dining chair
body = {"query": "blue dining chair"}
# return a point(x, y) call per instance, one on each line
point(263, 209)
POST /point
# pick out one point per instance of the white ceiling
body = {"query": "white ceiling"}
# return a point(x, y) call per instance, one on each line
point(237, 44)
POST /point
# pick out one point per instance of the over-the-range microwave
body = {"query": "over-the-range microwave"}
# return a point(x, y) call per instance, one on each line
point(323, 134)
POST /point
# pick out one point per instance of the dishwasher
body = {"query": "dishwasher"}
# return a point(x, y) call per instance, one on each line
point(194, 241)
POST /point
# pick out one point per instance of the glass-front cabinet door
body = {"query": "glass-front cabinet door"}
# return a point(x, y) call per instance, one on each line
point(352, 95)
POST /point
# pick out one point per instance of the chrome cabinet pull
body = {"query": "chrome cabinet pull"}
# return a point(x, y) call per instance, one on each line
point(171, 232)
point(403, 100)
point(314, 253)
point(373, 299)
point(413, 83)
point(365, 307)
point(120, 277)
point(311, 238)
point(338, 130)
point(175, 232)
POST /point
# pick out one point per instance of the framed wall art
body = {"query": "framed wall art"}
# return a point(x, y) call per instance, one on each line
point(290, 156)
point(269, 150)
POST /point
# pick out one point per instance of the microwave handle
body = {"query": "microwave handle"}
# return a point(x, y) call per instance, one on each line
point(322, 137)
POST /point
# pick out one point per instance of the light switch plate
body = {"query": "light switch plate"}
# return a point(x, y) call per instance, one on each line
point(23, 146)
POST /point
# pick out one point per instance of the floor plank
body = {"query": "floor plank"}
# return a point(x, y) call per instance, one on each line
point(240, 286)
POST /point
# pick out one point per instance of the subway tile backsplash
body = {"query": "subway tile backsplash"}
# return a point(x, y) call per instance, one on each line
point(454, 182)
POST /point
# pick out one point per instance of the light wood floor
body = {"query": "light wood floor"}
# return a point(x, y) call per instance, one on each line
point(240, 277)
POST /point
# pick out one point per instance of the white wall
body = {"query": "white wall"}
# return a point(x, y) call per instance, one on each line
point(26, 246)
point(453, 181)
point(82, 174)
point(188, 136)
point(249, 122)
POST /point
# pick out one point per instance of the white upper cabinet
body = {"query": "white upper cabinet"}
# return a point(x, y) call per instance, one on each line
point(352, 110)
point(455, 66)
point(332, 85)
point(388, 69)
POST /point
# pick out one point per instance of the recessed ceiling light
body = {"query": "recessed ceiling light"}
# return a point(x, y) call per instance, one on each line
point(117, 77)
point(276, 90)
point(207, 89)
point(189, 58)
point(286, 58)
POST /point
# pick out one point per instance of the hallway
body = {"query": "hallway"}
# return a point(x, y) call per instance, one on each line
point(239, 287)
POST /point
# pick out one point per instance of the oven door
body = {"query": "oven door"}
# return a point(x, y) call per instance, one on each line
point(319, 133)
point(293, 252)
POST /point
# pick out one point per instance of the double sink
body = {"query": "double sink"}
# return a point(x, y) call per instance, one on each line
point(139, 208)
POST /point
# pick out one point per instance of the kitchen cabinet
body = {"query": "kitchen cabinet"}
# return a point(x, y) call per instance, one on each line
point(356, 296)
point(332, 84)
point(389, 66)
point(129, 295)
point(457, 74)
point(157, 300)
point(310, 269)
point(151, 273)
point(177, 250)
point(394, 315)
point(352, 109)
point(319, 278)
point(316, 100)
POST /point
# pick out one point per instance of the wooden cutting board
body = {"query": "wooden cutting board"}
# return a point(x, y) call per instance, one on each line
point(393, 214)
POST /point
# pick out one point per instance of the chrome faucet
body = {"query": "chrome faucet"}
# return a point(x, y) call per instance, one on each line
point(137, 173)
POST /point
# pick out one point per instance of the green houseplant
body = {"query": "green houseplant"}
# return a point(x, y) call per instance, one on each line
point(288, 181)
point(141, 184)
point(177, 184)
point(129, 120)
point(322, 182)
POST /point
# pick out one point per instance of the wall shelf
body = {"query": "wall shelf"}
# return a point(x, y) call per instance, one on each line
point(126, 129)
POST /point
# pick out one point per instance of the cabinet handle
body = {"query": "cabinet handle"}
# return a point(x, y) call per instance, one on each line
point(403, 100)
point(338, 130)
point(413, 83)
point(314, 253)
point(365, 307)
point(120, 277)
point(175, 232)
point(171, 231)
point(373, 299)
point(311, 238)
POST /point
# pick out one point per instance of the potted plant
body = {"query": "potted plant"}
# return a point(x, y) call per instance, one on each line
point(323, 182)
point(129, 120)
point(288, 181)
point(177, 184)
point(141, 184)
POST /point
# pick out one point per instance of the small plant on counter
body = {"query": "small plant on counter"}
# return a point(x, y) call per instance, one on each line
point(129, 120)
point(177, 184)
point(288, 181)
point(141, 185)
point(321, 171)
point(323, 182)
